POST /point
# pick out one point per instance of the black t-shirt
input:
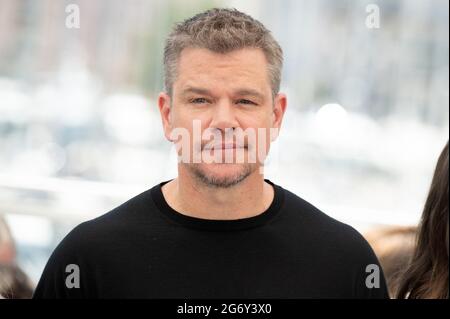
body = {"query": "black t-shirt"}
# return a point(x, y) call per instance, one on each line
point(146, 249)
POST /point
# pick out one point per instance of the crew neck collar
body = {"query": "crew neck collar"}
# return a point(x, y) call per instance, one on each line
point(218, 225)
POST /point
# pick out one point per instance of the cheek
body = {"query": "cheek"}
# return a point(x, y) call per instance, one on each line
point(254, 119)
point(185, 116)
point(263, 139)
point(259, 143)
point(192, 128)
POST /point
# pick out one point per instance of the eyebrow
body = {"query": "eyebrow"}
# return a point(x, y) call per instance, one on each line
point(195, 90)
point(250, 92)
point(241, 92)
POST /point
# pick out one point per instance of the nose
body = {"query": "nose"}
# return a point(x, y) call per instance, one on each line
point(224, 116)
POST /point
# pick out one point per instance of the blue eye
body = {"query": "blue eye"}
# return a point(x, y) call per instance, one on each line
point(199, 100)
point(244, 101)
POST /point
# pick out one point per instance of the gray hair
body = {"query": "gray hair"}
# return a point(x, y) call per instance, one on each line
point(222, 31)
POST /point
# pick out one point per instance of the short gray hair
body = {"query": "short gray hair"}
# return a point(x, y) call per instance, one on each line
point(222, 31)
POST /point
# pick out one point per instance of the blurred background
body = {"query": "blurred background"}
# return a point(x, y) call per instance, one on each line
point(80, 132)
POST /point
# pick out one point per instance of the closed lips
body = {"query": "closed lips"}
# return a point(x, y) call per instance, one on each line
point(224, 146)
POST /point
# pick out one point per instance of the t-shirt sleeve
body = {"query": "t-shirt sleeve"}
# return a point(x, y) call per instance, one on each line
point(369, 280)
point(64, 276)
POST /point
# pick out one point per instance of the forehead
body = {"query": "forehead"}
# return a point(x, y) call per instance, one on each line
point(243, 67)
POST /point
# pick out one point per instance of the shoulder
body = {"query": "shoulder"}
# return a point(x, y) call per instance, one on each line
point(125, 218)
point(91, 244)
point(333, 244)
point(324, 231)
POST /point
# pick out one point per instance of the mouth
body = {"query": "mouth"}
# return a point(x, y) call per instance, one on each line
point(226, 146)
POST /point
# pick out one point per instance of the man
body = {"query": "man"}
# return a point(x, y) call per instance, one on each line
point(218, 230)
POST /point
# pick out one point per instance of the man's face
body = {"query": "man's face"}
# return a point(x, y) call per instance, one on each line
point(226, 94)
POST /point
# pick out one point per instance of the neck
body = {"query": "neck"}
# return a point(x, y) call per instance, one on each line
point(191, 197)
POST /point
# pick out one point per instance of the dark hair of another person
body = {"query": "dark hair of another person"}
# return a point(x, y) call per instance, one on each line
point(427, 274)
point(14, 283)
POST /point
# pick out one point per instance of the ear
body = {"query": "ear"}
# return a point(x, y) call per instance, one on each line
point(165, 111)
point(279, 108)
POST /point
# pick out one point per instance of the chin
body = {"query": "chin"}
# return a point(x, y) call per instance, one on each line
point(223, 170)
point(222, 175)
